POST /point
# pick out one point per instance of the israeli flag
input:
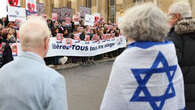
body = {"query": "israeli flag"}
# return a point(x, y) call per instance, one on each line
point(146, 76)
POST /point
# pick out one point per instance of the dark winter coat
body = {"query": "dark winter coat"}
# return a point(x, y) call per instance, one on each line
point(183, 36)
point(6, 57)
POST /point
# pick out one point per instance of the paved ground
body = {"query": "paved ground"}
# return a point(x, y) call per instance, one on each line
point(86, 85)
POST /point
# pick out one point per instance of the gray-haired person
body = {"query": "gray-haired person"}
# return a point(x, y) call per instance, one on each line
point(146, 76)
point(27, 83)
point(183, 35)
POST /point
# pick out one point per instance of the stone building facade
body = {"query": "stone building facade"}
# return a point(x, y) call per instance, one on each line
point(109, 9)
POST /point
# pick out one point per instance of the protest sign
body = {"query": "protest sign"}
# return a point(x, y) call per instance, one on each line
point(54, 16)
point(97, 17)
point(15, 3)
point(3, 8)
point(16, 13)
point(65, 12)
point(40, 8)
point(31, 7)
point(59, 36)
point(89, 20)
point(58, 11)
point(68, 20)
point(84, 11)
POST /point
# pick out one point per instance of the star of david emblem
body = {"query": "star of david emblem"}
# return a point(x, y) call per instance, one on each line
point(156, 102)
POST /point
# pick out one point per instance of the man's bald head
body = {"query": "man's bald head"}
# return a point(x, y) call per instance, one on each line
point(34, 35)
point(33, 32)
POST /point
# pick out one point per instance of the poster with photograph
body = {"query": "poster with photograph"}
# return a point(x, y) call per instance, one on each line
point(14, 3)
point(31, 7)
point(84, 11)
point(40, 8)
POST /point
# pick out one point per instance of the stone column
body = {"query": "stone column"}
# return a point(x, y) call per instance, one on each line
point(83, 3)
point(119, 9)
point(192, 2)
point(74, 6)
point(48, 7)
point(79, 3)
point(23, 3)
point(56, 3)
point(66, 3)
point(94, 7)
point(103, 8)
point(62, 3)
point(165, 4)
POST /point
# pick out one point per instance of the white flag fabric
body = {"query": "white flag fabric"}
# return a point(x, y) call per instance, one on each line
point(146, 76)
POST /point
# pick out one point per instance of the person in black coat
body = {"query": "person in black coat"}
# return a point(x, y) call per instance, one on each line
point(182, 34)
point(6, 56)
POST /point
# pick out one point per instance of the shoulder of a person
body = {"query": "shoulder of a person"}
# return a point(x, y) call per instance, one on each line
point(122, 56)
point(53, 74)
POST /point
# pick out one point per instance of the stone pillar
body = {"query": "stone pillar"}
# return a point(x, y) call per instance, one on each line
point(23, 3)
point(74, 6)
point(56, 4)
point(66, 3)
point(119, 9)
point(62, 3)
point(48, 7)
point(192, 3)
point(103, 5)
point(79, 3)
point(94, 7)
point(83, 3)
point(165, 4)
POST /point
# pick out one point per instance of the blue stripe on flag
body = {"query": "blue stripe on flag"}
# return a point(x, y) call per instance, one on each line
point(145, 45)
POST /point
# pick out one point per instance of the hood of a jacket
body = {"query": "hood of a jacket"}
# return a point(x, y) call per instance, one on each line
point(185, 26)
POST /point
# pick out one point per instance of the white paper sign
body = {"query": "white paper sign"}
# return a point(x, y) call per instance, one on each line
point(89, 20)
point(3, 9)
point(31, 6)
point(16, 13)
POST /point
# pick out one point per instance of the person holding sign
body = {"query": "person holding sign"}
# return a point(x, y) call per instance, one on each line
point(5, 49)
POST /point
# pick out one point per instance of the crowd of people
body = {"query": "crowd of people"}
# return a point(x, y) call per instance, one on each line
point(80, 31)
point(74, 30)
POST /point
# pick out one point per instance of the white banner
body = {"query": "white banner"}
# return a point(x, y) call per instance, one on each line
point(3, 8)
point(68, 47)
point(16, 13)
point(89, 20)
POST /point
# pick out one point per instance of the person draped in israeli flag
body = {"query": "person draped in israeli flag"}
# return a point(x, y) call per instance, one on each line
point(146, 76)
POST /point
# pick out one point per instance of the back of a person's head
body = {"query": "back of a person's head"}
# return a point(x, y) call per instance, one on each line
point(183, 8)
point(33, 31)
point(145, 22)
